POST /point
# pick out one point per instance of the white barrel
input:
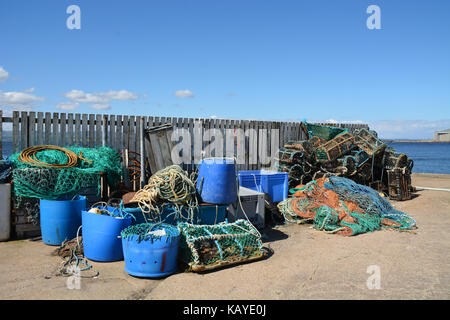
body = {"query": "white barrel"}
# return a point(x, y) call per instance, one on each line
point(5, 211)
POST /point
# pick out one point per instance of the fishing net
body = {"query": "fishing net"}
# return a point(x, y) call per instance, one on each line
point(339, 205)
point(323, 132)
point(47, 182)
point(206, 247)
point(150, 232)
point(5, 170)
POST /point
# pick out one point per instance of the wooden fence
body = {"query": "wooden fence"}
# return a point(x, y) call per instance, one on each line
point(253, 144)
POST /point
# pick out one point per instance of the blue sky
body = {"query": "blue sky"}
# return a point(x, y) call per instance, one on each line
point(247, 59)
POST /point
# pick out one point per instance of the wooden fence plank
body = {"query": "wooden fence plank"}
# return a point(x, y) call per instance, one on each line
point(91, 130)
point(98, 130)
point(48, 129)
point(112, 132)
point(70, 140)
point(40, 128)
point(32, 128)
point(62, 130)
point(15, 137)
point(84, 130)
point(119, 135)
point(24, 130)
point(77, 135)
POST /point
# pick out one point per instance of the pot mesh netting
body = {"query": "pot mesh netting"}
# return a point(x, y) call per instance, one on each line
point(205, 247)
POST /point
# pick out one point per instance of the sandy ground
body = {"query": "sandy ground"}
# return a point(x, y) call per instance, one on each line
point(305, 264)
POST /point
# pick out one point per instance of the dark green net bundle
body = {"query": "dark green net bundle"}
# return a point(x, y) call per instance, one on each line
point(52, 183)
point(205, 247)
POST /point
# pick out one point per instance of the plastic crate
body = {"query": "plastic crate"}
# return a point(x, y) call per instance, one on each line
point(251, 179)
point(273, 183)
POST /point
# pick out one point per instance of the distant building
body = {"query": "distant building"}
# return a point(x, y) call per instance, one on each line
point(443, 135)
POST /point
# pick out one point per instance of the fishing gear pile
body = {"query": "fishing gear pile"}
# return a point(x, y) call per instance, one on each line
point(50, 172)
point(206, 247)
point(168, 186)
point(5, 171)
point(339, 205)
point(358, 155)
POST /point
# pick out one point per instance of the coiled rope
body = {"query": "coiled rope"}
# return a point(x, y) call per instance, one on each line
point(170, 184)
point(28, 155)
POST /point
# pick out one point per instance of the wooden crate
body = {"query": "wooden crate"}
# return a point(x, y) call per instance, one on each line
point(158, 146)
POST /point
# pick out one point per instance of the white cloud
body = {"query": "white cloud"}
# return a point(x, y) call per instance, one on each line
point(99, 100)
point(29, 90)
point(100, 106)
point(67, 105)
point(213, 117)
point(408, 129)
point(19, 99)
point(4, 75)
point(119, 95)
point(82, 97)
point(184, 93)
point(343, 121)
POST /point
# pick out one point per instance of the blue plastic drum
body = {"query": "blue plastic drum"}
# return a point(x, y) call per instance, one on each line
point(217, 181)
point(152, 256)
point(60, 219)
point(101, 233)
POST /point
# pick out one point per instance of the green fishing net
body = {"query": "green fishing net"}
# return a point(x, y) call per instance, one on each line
point(323, 132)
point(52, 183)
point(205, 247)
point(339, 205)
point(150, 232)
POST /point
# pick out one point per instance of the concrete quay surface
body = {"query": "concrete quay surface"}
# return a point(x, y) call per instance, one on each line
point(305, 264)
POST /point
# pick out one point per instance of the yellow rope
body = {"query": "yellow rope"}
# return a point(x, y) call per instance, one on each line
point(29, 155)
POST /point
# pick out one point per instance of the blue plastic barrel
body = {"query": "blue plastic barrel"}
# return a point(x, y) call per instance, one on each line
point(154, 257)
point(60, 219)
point(216, 182)
point(101, 233)
point(135, 212)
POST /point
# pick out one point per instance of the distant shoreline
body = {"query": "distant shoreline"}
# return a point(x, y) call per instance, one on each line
point(413, 141)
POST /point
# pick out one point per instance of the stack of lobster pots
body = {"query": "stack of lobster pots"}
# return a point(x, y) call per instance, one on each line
point(359, 156)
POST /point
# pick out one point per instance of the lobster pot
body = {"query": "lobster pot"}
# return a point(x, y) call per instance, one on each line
point(150, 250)
point(348, 162)
point(399, 184)
point(60, 219)
point(206, 247)
point(217, 181)
point(303, 146)
point(290, 156)
point(395, 160)
point(368, 142)
point(335, 148)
